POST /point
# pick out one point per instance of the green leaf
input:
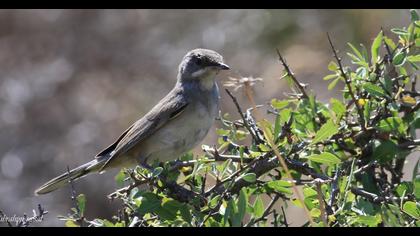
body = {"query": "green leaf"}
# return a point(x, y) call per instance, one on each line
point(384, 151)
point(309, 192)
point(325, 158)
point(229, 211)
point(376, 45)
point(402, 71)
point(222, 132)
point(250, 177)
point(337, 107)
point(81, 203)
point(356, 60)
point(280, 186)
point(242, 203)
point(168, 209)
point(358, 53)
point(213, 202)
point(371, 221)
point(416, 184)
point(325, 132)
point(222, 168)
point(364, 52)
point(412, 209)
point(147, 203)
point(267, 128)
point(277, 126)
point(400, 31)
point(399, 58)
point(404, 188)
point(315, 212)
point(414, 58)
point(333, 83)
point(185, 213)
point(297, 203)
point(278, 104)
point(392, 124)
point(107, 223)
point(71, 223)
point(390, 43)
point(332, 66)
point(157, 171)
point(328, 77)
point(374, 90)
point(120, 177)
point(258, 207)
point(264, 147)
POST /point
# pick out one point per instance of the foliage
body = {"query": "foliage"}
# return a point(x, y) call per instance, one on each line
point(347, 156)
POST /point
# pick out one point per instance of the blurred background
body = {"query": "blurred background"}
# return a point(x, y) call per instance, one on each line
point(72, 80)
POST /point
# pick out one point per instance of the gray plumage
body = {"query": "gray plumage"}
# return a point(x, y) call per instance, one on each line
point(174, 126)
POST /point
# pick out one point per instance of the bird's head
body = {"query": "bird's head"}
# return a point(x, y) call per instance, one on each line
point(201, 64)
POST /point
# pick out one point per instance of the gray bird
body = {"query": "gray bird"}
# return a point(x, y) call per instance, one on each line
point(174, 126)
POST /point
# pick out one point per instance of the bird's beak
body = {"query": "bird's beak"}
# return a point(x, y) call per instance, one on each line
point(223, 66)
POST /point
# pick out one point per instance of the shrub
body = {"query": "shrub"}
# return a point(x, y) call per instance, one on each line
point(341, 162)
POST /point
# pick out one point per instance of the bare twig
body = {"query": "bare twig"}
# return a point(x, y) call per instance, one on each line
point(284, 217)
point(347, 81)
point(334, 191)
point(375, 198)
point(251, 131)
point(390, 54)
point(365, 167)
point(292, 75)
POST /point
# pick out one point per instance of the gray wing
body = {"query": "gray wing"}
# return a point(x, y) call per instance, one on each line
point(168, 108)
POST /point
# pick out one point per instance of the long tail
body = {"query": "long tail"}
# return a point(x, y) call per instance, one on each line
point(74, 174)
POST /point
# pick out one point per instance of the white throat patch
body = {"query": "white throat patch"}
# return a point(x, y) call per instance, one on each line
point(206, 77)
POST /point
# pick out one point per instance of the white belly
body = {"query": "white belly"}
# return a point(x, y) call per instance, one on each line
point(181, 134)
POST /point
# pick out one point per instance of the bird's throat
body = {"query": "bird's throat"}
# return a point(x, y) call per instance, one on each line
point(207, 80)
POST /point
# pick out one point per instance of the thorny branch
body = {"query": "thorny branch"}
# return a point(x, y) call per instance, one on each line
point(347, 81)
point(253, 132)
point(290, 73)
point(374, 197)
point(361, 165)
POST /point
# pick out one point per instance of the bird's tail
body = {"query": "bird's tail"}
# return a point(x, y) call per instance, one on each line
point(74, 174)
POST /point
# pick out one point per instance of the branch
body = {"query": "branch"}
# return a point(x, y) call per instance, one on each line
point(334, 190)
point(348, 84)
point(373, 197)
point(292, 75)
point(263, 166)
point(251, 131)
point(410, 144)
point(173, 189)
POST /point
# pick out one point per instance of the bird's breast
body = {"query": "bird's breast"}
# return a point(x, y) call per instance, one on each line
point(183, 132)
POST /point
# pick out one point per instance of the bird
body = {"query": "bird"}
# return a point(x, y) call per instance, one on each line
point(175, 125)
